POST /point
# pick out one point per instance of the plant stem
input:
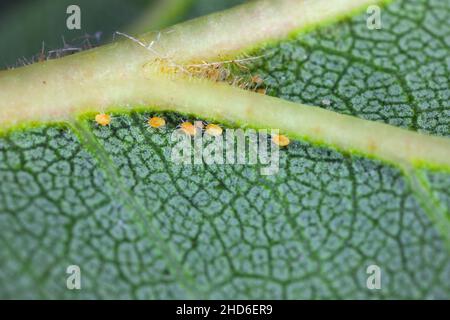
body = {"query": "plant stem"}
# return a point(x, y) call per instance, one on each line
point(125, 75)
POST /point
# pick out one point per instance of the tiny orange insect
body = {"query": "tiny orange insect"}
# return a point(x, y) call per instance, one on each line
point(103, 119)
point(281, 140)
point(188, 128)
point(156, 122)
point(213, 130)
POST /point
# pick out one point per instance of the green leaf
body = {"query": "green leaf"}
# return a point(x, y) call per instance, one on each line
point(111, 200)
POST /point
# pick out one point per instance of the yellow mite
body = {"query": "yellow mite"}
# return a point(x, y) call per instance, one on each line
point(213, 130)
point(188, 128)
point(103, 119)
point(156, 122)
point(281, 140)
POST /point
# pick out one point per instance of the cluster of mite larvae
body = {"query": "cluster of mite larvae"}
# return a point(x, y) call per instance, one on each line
point(103, 119)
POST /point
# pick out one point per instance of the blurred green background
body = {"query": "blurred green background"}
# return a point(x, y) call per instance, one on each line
point(33, 30)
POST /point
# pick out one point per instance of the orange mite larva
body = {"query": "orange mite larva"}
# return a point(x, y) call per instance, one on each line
point(281, 140)
point(156, 122)
point(103, 119)
point(188, 128)
point(213, 130)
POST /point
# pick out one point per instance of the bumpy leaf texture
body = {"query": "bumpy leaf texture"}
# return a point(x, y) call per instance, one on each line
point(110, 200)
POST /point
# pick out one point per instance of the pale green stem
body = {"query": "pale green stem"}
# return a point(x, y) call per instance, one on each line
point(55, 89)
point(125, 75)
